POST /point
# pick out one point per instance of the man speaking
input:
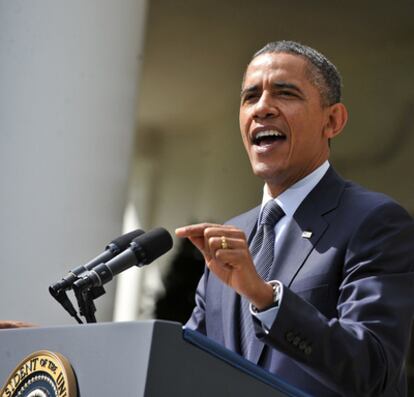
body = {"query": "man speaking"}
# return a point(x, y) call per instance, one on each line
point(316, 284)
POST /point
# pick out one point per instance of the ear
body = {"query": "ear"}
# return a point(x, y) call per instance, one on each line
point(336, 118)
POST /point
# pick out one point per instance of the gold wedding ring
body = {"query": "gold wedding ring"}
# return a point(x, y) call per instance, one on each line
point(224, 244)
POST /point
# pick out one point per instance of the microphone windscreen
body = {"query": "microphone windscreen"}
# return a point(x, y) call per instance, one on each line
point(122, 242)
point(154, 243)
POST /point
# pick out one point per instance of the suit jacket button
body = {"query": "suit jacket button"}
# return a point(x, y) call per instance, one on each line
point(289, 336)
point(303, 345)
point(296, 341)
point(308, 350)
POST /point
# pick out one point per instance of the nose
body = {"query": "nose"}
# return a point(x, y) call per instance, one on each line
point(265, 108)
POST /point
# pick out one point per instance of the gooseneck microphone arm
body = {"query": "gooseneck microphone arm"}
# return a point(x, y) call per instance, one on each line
point(59, 289)
point(142, 251)
point(115, 247)
point(64, 300)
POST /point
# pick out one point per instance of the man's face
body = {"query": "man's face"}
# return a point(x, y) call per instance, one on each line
point(282, 120)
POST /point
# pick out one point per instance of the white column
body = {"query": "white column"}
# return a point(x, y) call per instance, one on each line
point(68, 78)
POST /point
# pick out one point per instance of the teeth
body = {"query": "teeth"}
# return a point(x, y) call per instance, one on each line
point(263, 134)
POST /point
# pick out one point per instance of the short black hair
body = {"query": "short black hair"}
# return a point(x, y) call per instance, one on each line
point(323, 73)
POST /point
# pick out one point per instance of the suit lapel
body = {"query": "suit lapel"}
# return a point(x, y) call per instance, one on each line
point(308, 219)
point(231, 300)
point(295, 247)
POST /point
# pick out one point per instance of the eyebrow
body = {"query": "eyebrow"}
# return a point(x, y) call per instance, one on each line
point(289, 86)
point(277, 85)
point(249, 90)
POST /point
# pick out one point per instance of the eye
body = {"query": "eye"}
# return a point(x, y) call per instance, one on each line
point(287, 93)
point(249, 97)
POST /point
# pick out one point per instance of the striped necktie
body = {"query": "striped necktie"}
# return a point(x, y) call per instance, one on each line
point(261, 249)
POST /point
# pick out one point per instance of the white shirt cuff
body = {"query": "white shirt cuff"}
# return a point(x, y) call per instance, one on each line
point(268, 317)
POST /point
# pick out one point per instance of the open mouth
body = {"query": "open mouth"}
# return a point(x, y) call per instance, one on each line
point(268, 137)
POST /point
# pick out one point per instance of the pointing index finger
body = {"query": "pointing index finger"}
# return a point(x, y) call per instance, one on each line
point(193, 230)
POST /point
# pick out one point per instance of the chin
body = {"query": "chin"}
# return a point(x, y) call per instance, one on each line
point(266, 172)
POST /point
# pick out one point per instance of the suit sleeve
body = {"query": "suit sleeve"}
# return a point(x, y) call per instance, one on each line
point(197, 321)
point(361, 351)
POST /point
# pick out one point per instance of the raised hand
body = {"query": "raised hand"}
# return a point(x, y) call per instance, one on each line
point(227, 255)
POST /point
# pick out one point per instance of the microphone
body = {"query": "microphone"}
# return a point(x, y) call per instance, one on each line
point(142, 251)
point(115, 247)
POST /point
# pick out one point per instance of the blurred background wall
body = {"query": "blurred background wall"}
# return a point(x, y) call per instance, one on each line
point(189, 161)
point(84, 157)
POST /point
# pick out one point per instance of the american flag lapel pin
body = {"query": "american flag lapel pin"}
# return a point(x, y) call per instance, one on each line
point(307, 234)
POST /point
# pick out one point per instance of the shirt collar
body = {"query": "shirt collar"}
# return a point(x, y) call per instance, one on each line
point(292, 197)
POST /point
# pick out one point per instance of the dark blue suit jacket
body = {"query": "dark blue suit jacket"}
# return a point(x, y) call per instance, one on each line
point(344, 320)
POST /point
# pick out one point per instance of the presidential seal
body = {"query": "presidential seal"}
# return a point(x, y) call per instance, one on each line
point(42, 374)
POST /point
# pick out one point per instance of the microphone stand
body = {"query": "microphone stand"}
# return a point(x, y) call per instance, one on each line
point(85, 297)
point(61, 296)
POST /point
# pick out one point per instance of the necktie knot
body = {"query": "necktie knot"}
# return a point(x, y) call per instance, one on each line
point(271, 213)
